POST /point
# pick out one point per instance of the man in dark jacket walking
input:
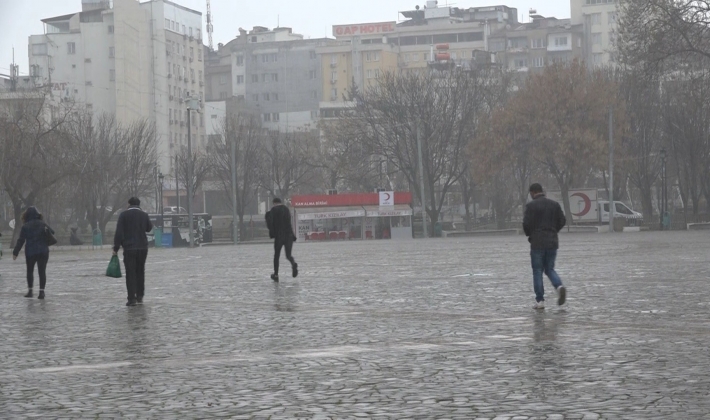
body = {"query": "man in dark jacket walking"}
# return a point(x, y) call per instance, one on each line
point(131, 229)
point(278, 220)
point(34, 233)
point(543, 219)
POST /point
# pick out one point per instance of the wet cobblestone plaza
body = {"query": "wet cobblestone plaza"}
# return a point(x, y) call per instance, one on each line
point(377, 329)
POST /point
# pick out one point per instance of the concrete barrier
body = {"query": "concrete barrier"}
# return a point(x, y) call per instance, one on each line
point(698, 226)
point(584, 229)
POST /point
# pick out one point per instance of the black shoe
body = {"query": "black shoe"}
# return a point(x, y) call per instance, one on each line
point(131, 302)
point(139, 299)
point(561, 295)
point(275, 277)
point(41, 294)
point(29, 294)
point(294, 269)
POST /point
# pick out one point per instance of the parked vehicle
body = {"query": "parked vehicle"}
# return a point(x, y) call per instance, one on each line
point(174, 210)
point(587, 208)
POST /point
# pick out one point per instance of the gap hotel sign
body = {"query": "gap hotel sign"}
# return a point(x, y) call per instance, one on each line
point(364, 29)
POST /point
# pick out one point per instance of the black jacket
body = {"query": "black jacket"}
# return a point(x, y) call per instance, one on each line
point(33, 234)
point(543, 219)
point(131, 229)
point(278, 220)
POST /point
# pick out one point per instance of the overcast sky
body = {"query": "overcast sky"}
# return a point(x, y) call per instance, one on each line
point(312, 18)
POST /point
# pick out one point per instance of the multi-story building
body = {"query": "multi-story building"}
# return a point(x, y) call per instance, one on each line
point(274, 72)
point(128, 59)
point(533, 45)
point(598, 18)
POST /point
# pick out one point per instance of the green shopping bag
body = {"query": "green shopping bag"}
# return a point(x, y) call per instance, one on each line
point(114, 268)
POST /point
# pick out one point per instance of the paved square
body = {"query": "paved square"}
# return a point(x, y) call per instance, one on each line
point(377, 329)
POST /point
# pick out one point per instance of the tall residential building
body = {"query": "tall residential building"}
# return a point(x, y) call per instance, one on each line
point(129, 59)
point(598, 18)
point(275, 73)
point(432, 36)
point(533, 45)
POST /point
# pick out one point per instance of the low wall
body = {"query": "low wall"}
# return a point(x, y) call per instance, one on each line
point(698, 226)
point(461, 234)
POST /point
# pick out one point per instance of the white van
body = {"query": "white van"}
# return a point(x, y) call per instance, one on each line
point(620, 211)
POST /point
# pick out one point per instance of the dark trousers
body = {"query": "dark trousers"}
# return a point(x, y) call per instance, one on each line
point(278, 244)
point(41, 261)
point(134, 260)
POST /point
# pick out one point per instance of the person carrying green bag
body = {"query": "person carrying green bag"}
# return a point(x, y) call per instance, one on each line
point(131, 229)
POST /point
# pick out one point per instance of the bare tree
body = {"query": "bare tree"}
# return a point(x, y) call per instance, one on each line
point(35, 151)
point(654, 32)
point(201, 166)
point(288, 161)
point(441, 108)
point(243, 133)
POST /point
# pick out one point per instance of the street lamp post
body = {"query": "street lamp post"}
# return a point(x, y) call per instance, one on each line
point(664, 190)
point(421, 178)
point(161, 178)
point(192, 105)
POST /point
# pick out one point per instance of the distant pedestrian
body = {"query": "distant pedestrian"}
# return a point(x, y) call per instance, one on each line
point(543, 220)
point(34, 233)
point(278, 220)
point(131, 229)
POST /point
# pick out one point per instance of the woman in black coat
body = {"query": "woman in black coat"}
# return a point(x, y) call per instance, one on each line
point(37, 251)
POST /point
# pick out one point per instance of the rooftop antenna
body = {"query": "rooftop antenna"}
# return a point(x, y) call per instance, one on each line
point(210, 27)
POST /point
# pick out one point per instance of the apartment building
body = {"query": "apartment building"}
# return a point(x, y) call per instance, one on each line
point(598, 18)
point(531, 46)
point(128, 59)
point(273, 72)
point(365, 51)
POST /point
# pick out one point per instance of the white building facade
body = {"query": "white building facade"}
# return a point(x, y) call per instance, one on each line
point(124, 58)
point(599, 20)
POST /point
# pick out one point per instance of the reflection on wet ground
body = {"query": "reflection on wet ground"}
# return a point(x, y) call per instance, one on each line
point(426, 329)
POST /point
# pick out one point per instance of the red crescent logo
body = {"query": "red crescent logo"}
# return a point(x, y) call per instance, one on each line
point(587, 204)
point(388, 196)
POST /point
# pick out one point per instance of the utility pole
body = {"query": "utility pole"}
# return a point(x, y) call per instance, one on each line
point(611, 170)
point(421, 178)
point(192, 105)
point(235, 230)
point(177, 182)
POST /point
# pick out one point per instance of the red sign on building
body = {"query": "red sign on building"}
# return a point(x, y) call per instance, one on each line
point(364, 29)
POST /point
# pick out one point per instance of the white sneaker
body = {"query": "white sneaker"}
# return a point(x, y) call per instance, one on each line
point(561, 295)
point(539, 305)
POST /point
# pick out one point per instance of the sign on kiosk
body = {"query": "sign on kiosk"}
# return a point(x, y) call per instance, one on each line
point(386, 198)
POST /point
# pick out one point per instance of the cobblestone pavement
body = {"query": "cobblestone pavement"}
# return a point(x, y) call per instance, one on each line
point(378, 329)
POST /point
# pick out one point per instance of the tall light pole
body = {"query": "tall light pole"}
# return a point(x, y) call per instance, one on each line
point(177, 182)
point(664, 190)
point(192, 105)
point(235, 230)
point(161, 178)
point(612, 205)
point(421, 178)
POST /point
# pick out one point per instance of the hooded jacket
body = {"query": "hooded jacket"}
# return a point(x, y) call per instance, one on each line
point(131, 229)
point(32, 233)
point(543, 219)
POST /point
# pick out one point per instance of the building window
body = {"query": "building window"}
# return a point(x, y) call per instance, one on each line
point(312, 74)
point(255, 97)
point(369, 74)
point(112, 75)
point(190, 30)
point(597, 39)
point(520, 63)
point(184, 30)
point(267, 117)
point(266, 96)
point(255, 78)
point(538, 43)
point(334, 59)
point(368, 57)
point(334, 94)
point(276, 117)
point(538, 62)
point(192, 52)
point(167, 23)
point(264, 58)
point(334, 76)
point(592, 2)
point(71, 48)
point(595, 18)
point(240, 60)
point(561, 41)
point(111, 52)
point(240, 79)
point(313, 55)
point(223, 95)
point(35, 70)
point(110, 29)
point(275, 96)
point(222, 79)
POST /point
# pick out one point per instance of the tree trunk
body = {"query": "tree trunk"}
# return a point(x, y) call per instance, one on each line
point(17, 210)
point(564, 190)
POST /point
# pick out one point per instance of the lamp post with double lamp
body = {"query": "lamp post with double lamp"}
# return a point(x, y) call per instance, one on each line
point(161, 178)
point(192, 105)
point(664, 190)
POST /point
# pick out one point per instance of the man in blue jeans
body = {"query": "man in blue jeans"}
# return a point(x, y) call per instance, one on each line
point(543, 219)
